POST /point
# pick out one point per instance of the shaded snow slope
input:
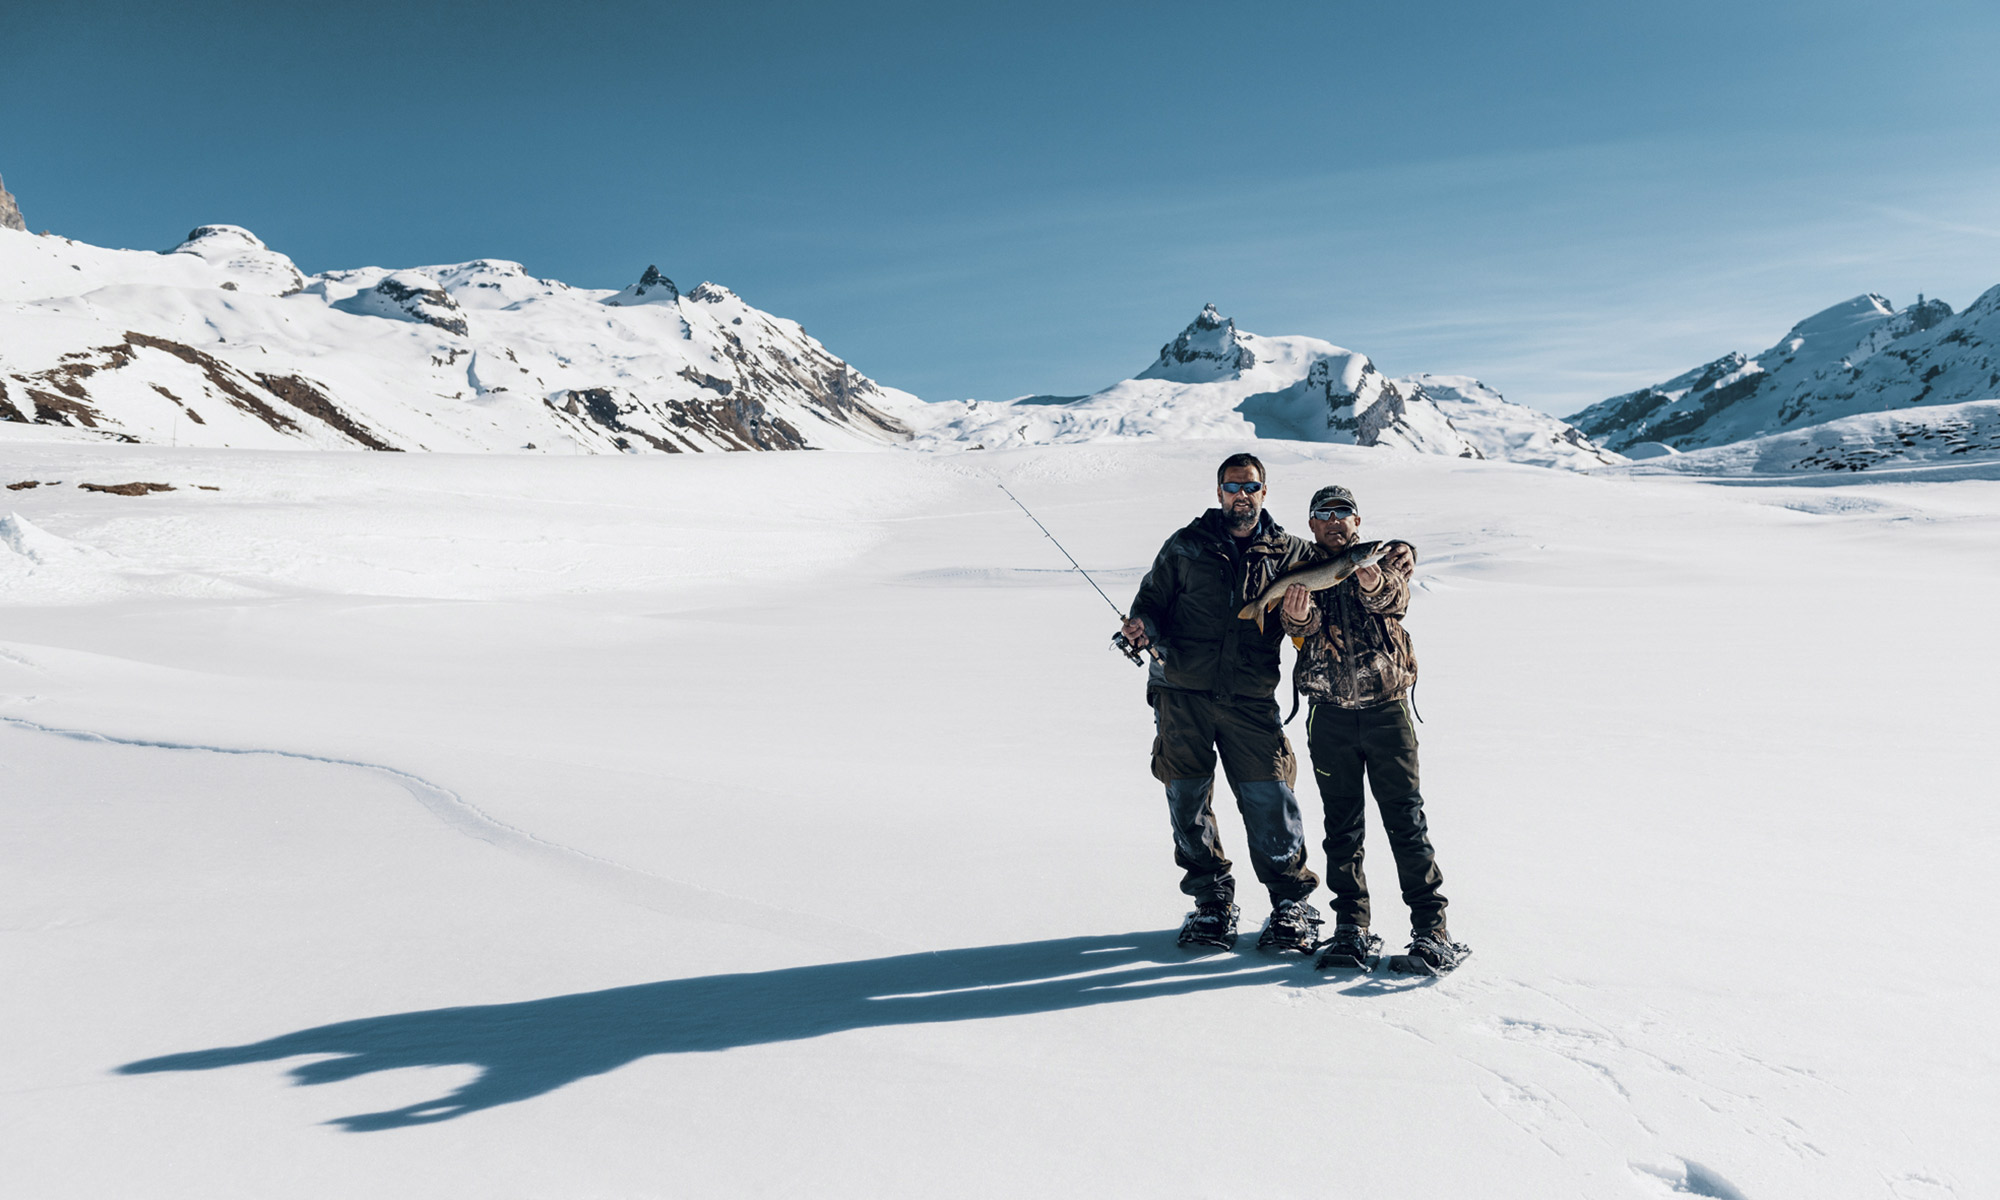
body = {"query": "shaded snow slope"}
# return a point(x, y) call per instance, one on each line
point(1508, 431)
point(223, 342)
point(1863, 355)
point(1216, 381)
point(531, 832)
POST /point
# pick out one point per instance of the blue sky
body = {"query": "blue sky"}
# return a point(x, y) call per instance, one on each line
point(1567, 200)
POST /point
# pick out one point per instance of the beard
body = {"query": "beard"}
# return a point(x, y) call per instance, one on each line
point(1242, 517)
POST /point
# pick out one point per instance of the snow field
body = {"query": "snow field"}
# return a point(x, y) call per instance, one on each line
point(779, 825)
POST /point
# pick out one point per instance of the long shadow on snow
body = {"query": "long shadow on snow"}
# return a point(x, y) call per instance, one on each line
point(533, 1047)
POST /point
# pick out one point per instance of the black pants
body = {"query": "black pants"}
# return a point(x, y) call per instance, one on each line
point(1345, 743)
point(1257, 760)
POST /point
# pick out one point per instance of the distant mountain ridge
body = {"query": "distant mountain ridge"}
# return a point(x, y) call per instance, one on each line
point(1860, 356)
point(1214, 380)
point(223, 341)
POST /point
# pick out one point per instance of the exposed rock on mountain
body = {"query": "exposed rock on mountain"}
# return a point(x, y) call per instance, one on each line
point(1860, 356)
point(410, 296)
point(653, 288)
point(1207, 350)
point(1374, 411)
point(224, 342)
point(10, 212)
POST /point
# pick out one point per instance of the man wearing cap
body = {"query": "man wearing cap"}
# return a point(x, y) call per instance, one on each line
point(1212, 687)
point(1356, 667)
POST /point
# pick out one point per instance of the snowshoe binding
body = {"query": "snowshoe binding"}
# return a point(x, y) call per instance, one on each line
point(1212, 923)
point(1293, 926)
point(1431, 953)
point(1351, 948)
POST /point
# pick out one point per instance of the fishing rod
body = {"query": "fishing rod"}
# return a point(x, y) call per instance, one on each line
point(1119, 641)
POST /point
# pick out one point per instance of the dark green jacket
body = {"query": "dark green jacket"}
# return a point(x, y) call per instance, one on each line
point(1190, 598)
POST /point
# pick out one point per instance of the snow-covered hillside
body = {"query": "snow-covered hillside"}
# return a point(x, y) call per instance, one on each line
point(1505, 430)
point(1863, 355)
point(450, 827)
point(1928, 435)
point(224, 342)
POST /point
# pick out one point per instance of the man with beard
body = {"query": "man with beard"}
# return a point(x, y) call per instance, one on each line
point(1212, 687)
point(1356, 666)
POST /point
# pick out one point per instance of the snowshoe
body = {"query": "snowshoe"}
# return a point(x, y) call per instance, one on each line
point(1293, 926)
point(1432, 953)
point(1351, 948)
point(1212, 923)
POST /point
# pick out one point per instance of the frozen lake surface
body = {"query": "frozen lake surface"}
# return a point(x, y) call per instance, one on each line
point(776, 825)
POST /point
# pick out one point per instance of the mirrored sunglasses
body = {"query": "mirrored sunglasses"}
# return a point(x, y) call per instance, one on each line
point(1253, 487)
point(1339, 512)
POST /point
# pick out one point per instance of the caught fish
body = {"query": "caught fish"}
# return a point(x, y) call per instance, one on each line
point(1315, 577)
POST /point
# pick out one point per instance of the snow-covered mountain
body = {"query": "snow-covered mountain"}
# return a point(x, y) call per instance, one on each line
point(1860, 356)
point(1214, 380)
point(222, 341)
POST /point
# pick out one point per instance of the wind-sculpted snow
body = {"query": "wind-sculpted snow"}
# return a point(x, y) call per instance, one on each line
point(466, 356)
point(644, 888)
point(1863, 355)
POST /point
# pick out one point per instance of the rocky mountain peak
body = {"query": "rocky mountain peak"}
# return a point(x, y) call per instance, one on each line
point(10, 212)
point(1926, 313)
point(1209, 348)
point(652, 288)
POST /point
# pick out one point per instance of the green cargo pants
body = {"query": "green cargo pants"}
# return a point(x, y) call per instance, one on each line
point(1192, 728)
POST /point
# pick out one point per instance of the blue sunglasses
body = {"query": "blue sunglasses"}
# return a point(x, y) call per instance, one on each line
point(1253, 487)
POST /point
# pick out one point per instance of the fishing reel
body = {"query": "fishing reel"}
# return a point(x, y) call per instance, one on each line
point(1123, 645)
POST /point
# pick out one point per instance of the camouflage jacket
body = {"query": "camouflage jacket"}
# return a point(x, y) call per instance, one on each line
point(1353, 649)
point(1189, 600)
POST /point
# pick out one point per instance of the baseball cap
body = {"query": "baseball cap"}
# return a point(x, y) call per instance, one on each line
point(1331, 495)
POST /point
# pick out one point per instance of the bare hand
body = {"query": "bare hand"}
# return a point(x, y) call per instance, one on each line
point(1298, 603)
point(1370, 578)
point(1400, 559)
point(1135, 632)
